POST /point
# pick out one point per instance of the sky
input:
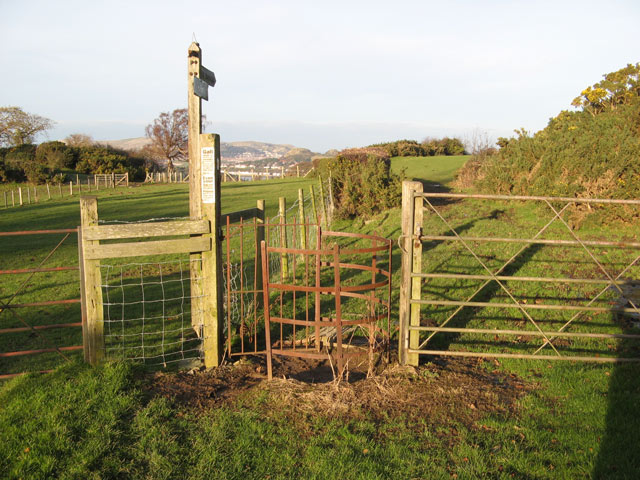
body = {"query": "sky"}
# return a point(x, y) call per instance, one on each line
point(315, 74)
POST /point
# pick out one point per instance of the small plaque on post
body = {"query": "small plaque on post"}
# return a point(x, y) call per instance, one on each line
point(200, 88)
point(208, 165)
point(207, 76)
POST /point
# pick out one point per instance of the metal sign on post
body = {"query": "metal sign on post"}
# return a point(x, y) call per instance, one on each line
point(208, 158)
point(207, 76)
point(200, 88)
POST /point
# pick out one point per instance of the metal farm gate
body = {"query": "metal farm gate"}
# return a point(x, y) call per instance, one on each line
point(488, 276)
point(40, 318)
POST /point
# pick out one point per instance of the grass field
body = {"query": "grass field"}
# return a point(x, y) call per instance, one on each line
point(564, 420)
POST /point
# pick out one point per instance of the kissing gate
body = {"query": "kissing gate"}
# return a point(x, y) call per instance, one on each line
point(208, 286)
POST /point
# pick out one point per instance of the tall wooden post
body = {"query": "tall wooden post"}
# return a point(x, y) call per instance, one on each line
point(411, 261)
point(204, 203)
point(20, 195)
point(91, 287)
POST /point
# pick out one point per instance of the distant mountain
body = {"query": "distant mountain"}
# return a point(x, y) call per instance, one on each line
point(237, 152)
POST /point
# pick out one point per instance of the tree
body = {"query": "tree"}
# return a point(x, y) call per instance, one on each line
point(79, 140)
point(18, 127)
point(169, 134)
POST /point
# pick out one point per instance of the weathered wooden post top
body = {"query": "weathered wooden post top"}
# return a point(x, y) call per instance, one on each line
point(204, 203)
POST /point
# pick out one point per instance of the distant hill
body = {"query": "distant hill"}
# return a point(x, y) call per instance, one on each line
point(241, 152)
point(127, 143)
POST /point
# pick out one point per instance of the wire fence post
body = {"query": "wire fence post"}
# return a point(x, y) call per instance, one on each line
point(260, 237)
point(282, 211)
point(91, 278)
point(303, 220)
point(313, 205)
point(411, 263)
point(323, 204)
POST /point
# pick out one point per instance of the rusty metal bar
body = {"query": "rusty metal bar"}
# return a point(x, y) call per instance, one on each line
point(43, 304)
point(42, 350)
point(524, 197)
point(228, 305)
point(12, 375)
point(530, 241)
point(39, 327)
point(451, 353)
point(524, 332)
point(267, 320)
point(38, 270)
point(37, 232)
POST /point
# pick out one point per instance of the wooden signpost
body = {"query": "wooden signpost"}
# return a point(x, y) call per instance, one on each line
point(204, 204)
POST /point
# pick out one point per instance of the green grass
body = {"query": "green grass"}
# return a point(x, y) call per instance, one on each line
point(577, 421)
point(440, 169)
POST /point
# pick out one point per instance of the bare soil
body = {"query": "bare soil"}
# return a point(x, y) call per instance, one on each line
point(442, 392)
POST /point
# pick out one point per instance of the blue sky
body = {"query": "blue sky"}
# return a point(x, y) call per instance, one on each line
point(321, 75)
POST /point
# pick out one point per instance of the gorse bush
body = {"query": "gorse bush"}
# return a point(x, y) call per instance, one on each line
point(362, 181)
point(592, 152)
point(103, 159)
point(428, 148)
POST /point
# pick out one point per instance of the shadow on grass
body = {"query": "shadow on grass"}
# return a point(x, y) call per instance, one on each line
point(619, 453)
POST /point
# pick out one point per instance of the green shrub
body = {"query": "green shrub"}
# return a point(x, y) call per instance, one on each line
point(104, 159)
point(16, 161)
point(362, 182)
point(56, 155)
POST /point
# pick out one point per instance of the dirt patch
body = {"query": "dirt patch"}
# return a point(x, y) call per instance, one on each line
point(442, 392)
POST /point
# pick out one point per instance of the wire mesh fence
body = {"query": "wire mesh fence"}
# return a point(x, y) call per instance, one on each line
point(148, 314)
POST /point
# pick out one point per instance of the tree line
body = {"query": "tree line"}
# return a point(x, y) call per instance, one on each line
point(21, 159)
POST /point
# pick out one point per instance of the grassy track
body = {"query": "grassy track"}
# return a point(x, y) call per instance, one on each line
point(440, 169)
point(576, 421)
